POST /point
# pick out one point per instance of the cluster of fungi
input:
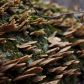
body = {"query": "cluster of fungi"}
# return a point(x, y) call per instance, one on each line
point(57, 61)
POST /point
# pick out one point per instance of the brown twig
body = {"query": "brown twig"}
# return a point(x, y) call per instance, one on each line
point(52, 17)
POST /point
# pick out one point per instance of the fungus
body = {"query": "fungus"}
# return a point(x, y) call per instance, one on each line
point(64, 44)
point(52, 50)
point(13, 17)
point(55, 44)
point(51, 64)
point(8, 28)
point(33, 70)
point(79, 31)
point(21, 19)
point(24, 28)
point(49, 60)
point(23, 46)
point(65, 49)
point(59, 70)
point(4, 61)
point(81, 56)
point(52, 70)
point(70, 72)
point(24, 10)
point(44, 55)
point(1, 33)
point(29, 49)
point(11, 62)
point(38, 33)
point(61, 54)
point(2, 40)
point(58, 76)
point(5, 7)
point(4, 79)
point(76, 74)
point(24, 76)
point(38, 78)
point(69, 31)
point(35, 62)
point(80, 41)
point(25, 58)
point(2, 74)
point(17, 66)
point(69, 63)
point(21, 69)
point(67, 22)
point(52, 82)
point(54, 21)
point(4, 68)
point(49, 13)
point(38, 21)
point(54, 39)
point(12, 39)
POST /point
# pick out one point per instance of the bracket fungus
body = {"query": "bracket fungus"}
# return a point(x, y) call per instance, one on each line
point(38, 33)
point(38, 78)
point(25, 29)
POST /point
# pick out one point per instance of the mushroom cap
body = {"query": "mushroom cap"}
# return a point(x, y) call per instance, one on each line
point(4, 68)
point(52, 70)
point(65, 49)
point(49, 60)
point(59, 70)
point(38, 33)
point(55, 44)
point(58, 76)
point(69, 63)
point(4, 79)
point(35, 62)
point(38, 78)
point(52, 50)
point(76, 74)
point(61, 54)
point(21, 19)
point(64, 44)
point(24, 76)
point(8, 28)
point(21, 69)
point(25, 58)
point(80, 41)
point(52, 82)
point(1, 33)
point(2, 40)
point(17, 66)
point(54, 39)
point(11, 62)
point(1, 63)
point(33, 70)
point(25, 45)
point(12, 39)
point(1, 74)
point(69, 32)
